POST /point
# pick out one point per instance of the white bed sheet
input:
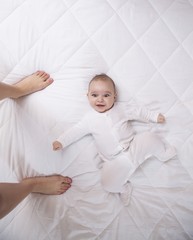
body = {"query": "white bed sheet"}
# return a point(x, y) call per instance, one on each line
point(146, 46)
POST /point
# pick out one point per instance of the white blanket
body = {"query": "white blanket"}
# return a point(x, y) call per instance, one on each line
point(146, 47)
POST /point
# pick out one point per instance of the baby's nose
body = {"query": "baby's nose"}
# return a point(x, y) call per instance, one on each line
point(100, 98)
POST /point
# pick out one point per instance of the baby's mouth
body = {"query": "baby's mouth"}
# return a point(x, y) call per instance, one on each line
point(100, 105)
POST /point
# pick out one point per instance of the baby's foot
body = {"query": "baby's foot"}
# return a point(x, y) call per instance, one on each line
point(51, 185)
point(126, 194)
point(33, 83)
point(169, 154)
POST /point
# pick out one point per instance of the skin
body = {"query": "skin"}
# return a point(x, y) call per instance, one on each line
point(11, 194)
point(30, 84)
point(101, 95)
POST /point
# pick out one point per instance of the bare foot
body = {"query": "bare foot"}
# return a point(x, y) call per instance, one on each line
point(50, 185)
point(33, 83)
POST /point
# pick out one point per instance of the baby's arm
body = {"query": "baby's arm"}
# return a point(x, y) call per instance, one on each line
point(161, 118)
point(73, 134)
point(144, 114)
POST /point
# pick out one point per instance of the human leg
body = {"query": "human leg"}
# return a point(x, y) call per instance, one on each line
point(148, 144)
point(114, 177)
point(30, 84)
point(11, 194)
point(33, 83)
point(49, 185)
point(115, 173)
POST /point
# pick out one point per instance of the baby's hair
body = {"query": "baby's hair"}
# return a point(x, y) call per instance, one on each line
point(103, 77)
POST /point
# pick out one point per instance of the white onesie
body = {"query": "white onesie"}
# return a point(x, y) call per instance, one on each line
point(118, 146)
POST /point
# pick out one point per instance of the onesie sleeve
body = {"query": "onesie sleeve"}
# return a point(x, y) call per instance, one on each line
point(141, 113)
point(75, 133)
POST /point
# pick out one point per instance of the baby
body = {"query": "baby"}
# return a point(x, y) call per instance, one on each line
point(109, 122)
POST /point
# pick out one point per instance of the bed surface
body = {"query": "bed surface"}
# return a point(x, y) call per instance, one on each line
point(147, 48)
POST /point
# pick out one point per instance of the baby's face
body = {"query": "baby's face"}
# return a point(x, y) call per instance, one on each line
point(101, 95)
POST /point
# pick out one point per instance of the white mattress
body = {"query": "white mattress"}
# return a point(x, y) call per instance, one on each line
point(146, 46)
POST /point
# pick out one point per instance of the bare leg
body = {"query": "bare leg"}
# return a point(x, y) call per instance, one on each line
point(11, 194)
point(30, 84)
point(33, 83)
point(50, 185)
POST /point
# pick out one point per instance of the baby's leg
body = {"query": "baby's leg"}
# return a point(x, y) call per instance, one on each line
point(146, 145)
point(115, 173)
point(114, 177)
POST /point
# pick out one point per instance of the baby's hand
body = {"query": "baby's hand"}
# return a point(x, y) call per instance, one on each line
point(57, 146)
point(161, 118)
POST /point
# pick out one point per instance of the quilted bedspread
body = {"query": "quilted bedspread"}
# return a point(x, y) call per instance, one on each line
point(146, 46)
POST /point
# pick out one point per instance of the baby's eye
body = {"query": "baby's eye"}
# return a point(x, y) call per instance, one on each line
point(107, 95)
point(94, 95)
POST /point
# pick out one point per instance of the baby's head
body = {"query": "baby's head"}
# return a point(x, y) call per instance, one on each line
point(101, 93)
